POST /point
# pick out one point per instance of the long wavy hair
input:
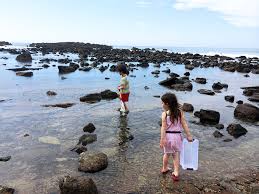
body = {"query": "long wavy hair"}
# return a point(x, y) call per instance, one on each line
point(174, 107)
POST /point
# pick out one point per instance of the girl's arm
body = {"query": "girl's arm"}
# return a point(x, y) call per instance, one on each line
point(163, 129)
point(185, 127)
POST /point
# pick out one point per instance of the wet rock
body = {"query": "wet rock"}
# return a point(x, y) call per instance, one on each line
point(230, 98)
point(26, 135)
point(63, 78)
point(197, 114)
point(5, 159)
point(201, 80)
point(182, 87)
point(24, 57)
point(219, 126)
point(45, 66)
point(239, 102)
point(77, 185)
point(51, 93)
point(248, 92)
point(207, 92)
point(67, 69)
point(25, 74)
point(190, 67)
point(254, 98)
point(236, 130)
point(174, 75)
point(107, 78)
point(217, 134)
point(227, 140)
point(166, 71)
point(219, 86)
point(92, 162)
point(187, 107)
point(79, 149)
point(209, 117)
point(4, 43)
point(64, 105)
point(87, 139)
point(143, 65)
point(156, 72)
point(247, 112)
point(91, 98)
point(108, 95)
point(156, 96)
point(255, 71)
point(246, 75)
point(6, 190)
point(103, 68)
point(19, 69)
point(90, 128)
point(187, 73)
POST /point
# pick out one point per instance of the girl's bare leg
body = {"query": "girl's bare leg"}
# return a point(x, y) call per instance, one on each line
point(176, 162)
point(165, 162)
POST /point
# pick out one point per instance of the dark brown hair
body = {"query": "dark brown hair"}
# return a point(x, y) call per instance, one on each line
point(122, 68)
point(174, 107)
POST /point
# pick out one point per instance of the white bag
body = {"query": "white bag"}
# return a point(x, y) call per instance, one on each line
point(189, 155)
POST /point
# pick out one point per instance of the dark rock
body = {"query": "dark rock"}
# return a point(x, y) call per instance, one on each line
point(168, 82)
point(246, 75)
point(201, 80)
point(255, 71)
point(182, 87)
point(5, 159)
point(247, 112)
point(108, 95)
point(254, 98)
point(187, 107)
point(230, 98)
point(91, 98)
point(87, 139)
point(67, 69)
point(77, 185)
point(143, 65)
point(197, 114)
point(248, 92)
point(239, 102)
point(79, 149)
point(156, 72)
point(89, 128)
point(156, 96)
point(107, 78)
point(25, 74)
point(64, 105)
point(207, 92)
point(24, 57)
point(146, 87)
point(92, 162)
point(166, 71)
point(219, 86)
point(187, 73)
point(219, 126)
point(85, 69)
point(227, 140)
point(174, 75)
point(45, 66)
point(51, 93)
point(6, 190)
point(190, 67)
point(63, 78)
point(4, 43)
point(236, 130)
point(209, 117)
point(26, 135)
point(217, 134)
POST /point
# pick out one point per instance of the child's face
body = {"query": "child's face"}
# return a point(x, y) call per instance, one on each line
point(165, 106)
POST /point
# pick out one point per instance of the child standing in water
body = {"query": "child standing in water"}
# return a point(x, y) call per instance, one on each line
point(173, 121)
point(123, 88)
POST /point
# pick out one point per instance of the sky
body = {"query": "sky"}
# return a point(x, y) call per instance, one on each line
point(168, 23)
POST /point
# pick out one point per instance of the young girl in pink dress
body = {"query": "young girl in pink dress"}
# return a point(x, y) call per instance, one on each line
point(173, 121)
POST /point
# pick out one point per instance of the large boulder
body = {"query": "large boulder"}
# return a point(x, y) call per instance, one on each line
point(77, 185)
point(92, 162)
point(209, 117)
point(247, 112)
point(236, 130)
point(24, 57)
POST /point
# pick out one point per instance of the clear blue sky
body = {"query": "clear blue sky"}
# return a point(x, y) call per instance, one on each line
point(212, 23)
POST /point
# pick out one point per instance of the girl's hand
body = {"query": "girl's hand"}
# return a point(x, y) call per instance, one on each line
point(189, 138)
point(162, 142)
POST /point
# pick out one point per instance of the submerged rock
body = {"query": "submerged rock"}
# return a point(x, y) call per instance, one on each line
point(77, 185)
point(25, 74)
point(5, 159)
point(87, 139)
point(207, 92)
point(217, 134)
point(92, 162)
point(79, 149)
point(91, 98)
point(236, 130)
point(49, 140)
point(51, 93)
point(230, 98)
point(64, 105)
